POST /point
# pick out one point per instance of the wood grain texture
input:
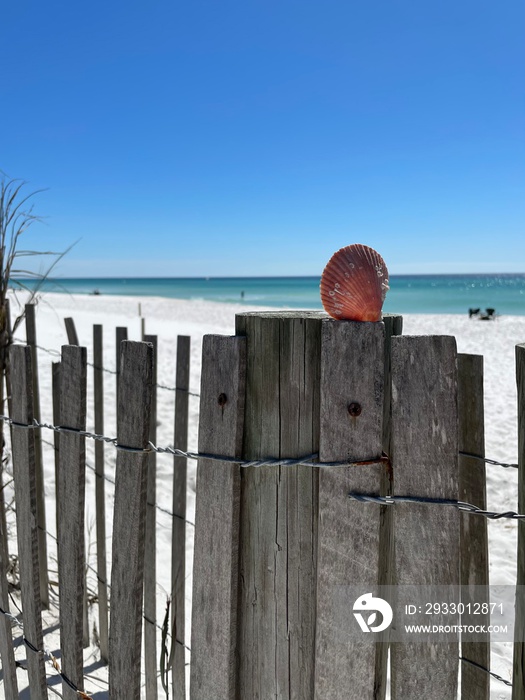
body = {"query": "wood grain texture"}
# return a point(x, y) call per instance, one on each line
point(150, 551)
point(518, 673)
point(40, 490)
point(278, 543)
point(352, 371)
point(72, 336)
point(71, 543)
point(7, 655)
point(24, 471)
point(55, 388)
point(6, 638)
point(215, 569)
point(425, 463)
point(100, 489)
point(121, 333)
point(178, 539)
point(393, 326)
point(474, 555)
point(129, 516)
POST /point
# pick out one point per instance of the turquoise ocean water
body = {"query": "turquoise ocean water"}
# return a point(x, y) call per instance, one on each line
point(407, 294)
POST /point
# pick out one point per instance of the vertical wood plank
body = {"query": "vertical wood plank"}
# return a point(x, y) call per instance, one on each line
point(100, 490)
point(425, 464)
point(474, 555)
point(129, 516)
point(40, 487)
point(518, 676)
point(278, 541)
point(178, 551)
point(71, 543)
point(352, 372)
point(24, 470)
point(215, 569)
point(121, 333)
point(6, 638)
point(72, 336)
point(150, 558)
point(393, 326)
point(55, 388)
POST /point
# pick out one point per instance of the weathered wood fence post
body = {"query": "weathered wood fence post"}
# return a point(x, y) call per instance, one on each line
point(425, 464)
point(6, 638)
point(352, 396)
point(475, 685)
point(150, 552)
point(129, 517)
point(40, 494)
point(24, 469)
point(215, 569)
point(279, 506)
point(71, 497)
point(178, 532)
point(100, 489)
point(265, 537)
point(518, 680)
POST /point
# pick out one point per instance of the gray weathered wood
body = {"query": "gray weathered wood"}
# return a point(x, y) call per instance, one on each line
point(178, 539)
point(55, 388)
point(24, 470)
point(40, 486)
point(215, 569)
point(150, 559)
point(425, 463)
point(352, 372)
point(71, 544)
point(6, 638)
point(474, 555)
point(393, 326)
point(518, 676)
point(72, 336)
point(98, 395)
point(278, 542)
point(129, 518)
point(121, 333)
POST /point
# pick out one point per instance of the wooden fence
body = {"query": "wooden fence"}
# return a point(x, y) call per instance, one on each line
point(130, 590)
point(272, 542)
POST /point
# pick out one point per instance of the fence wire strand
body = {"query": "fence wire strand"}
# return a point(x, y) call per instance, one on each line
point(305, 461)
point(114, 372)
point(112, 481)
point(46, 653)
point(482, 668)
point(460, 505)
point(505, 465)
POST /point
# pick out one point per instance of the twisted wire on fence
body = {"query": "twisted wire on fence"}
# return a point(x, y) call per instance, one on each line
point(460, 505)
point(302, 461)
point(47, 654)
point(482, 668)
point(106, 583)
point(305, 461)
point(112, 481)
point(57, 354)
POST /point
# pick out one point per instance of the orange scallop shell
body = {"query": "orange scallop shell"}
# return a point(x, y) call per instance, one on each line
point(354, 284)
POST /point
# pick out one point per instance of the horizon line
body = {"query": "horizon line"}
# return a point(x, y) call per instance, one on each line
point(262, 277)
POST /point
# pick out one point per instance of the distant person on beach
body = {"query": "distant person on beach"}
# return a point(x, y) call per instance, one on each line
point(242, 294)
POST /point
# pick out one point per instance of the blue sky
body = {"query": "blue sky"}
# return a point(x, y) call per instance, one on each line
point(256, 138)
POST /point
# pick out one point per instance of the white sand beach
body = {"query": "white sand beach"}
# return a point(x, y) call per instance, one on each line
point(168, 318)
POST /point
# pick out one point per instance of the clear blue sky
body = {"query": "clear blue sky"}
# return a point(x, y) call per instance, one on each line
point(257, 137)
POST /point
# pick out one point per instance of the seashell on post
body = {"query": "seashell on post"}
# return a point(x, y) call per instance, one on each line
point(354, 284)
